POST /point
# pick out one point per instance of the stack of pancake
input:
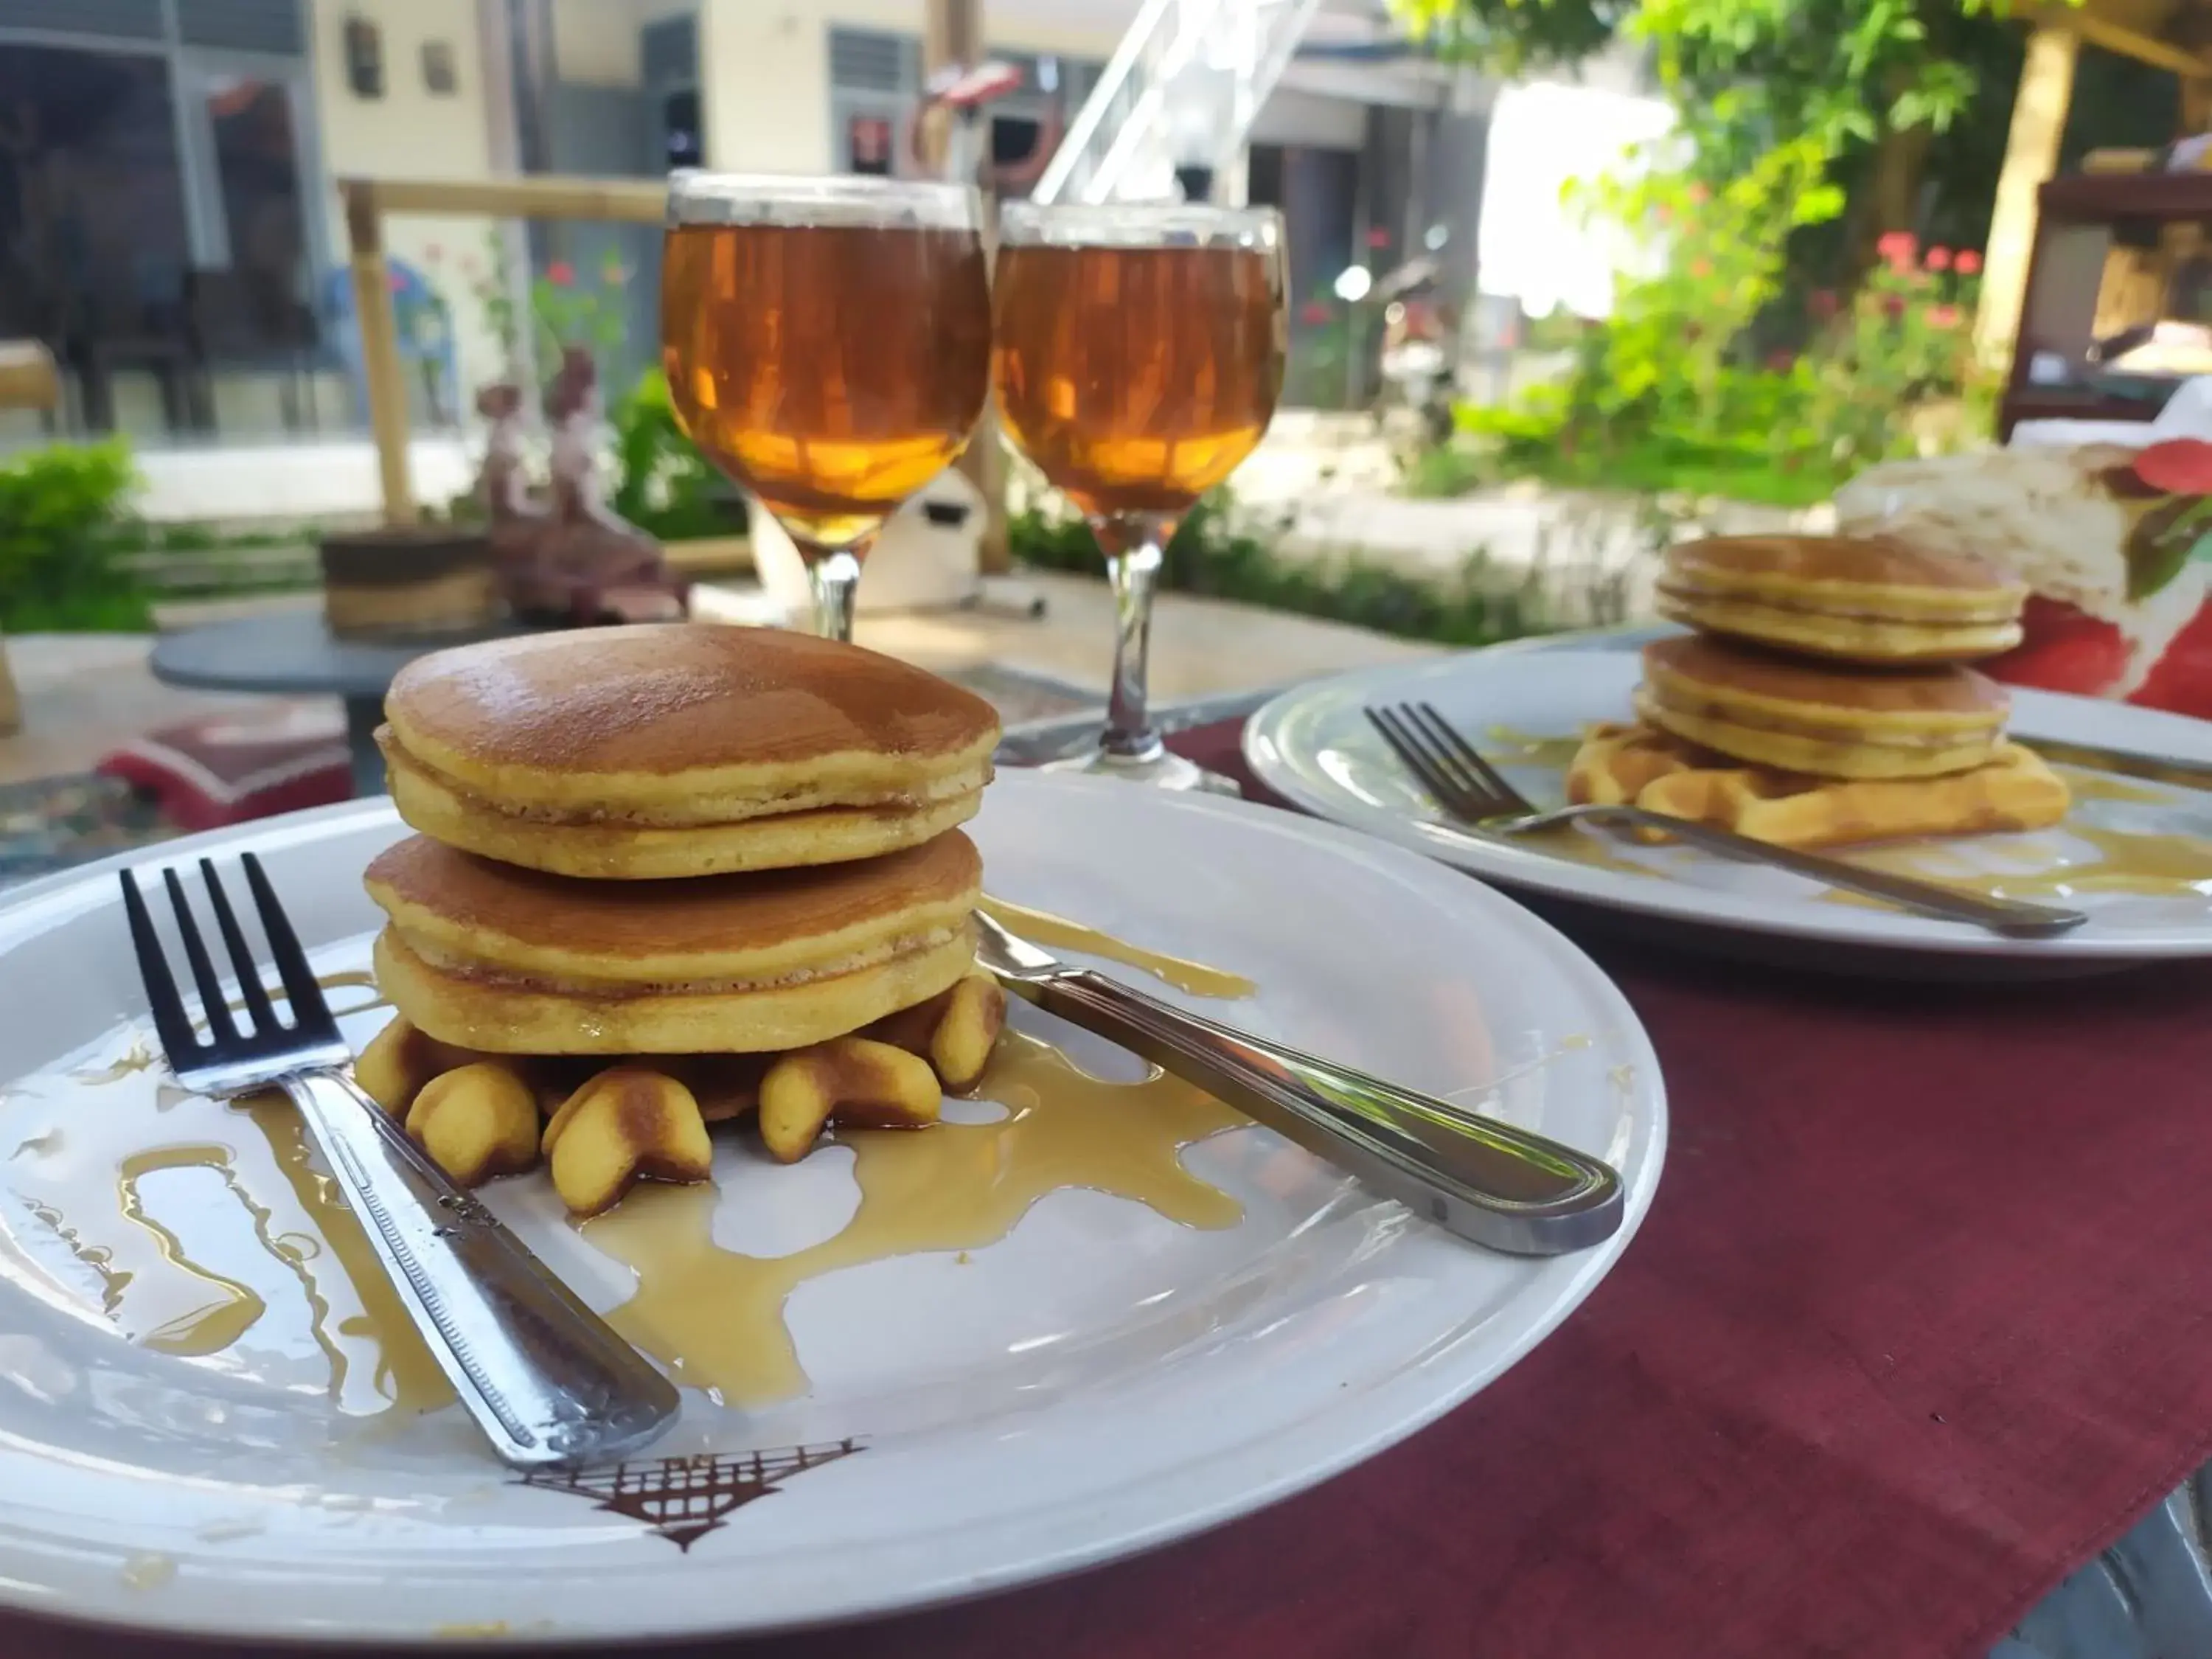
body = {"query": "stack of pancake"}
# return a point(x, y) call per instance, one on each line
point(1826, 697)
point(675, 839)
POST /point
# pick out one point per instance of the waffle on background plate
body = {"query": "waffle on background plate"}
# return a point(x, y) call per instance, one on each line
point(1825, 698)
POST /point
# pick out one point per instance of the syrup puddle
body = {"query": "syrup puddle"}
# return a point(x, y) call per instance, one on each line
point(380, 1341)
point(2033, 866)
point(1058, 933)
point(715, 1317)
point(215, 1327)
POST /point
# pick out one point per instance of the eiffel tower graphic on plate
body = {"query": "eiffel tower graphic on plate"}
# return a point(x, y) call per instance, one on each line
point(684, 1499)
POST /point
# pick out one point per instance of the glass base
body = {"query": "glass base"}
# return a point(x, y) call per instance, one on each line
point(1164, 770)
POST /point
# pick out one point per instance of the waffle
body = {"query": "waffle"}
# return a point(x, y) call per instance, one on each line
point(1643, 766)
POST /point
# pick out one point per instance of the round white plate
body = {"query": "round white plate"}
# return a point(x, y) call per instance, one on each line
point(1102, 1381)
point(1315, 747)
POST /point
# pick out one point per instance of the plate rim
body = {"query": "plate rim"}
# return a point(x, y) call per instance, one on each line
point(1383, 1414)
point(1655, 899)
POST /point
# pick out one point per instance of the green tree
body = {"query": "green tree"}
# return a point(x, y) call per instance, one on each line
point(1839, 101)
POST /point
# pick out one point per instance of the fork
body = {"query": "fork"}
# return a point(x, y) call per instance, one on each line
point(546, 1378)
point(1487, 1181)
point(1473, 792)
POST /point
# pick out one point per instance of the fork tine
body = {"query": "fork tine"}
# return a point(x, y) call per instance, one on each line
point(1474, 796)
point(249, 990)
point(171, 1024)
point(213, 1009)
point(311, 1014)
point(1450, 792)
point(1492, 781)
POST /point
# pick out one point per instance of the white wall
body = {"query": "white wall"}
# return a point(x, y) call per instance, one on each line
point(595, 42)
point(764, 65)
point(410, 134)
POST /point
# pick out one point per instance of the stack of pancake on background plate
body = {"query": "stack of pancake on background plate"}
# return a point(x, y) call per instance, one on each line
point(680, 840)
point(1826, 697)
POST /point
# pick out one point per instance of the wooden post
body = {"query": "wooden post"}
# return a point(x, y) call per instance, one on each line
point(2039, 119)
point(381, 369)
point(952, 33)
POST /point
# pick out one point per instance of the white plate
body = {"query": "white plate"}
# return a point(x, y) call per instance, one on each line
point(1102, 1381)
point(1315, 747)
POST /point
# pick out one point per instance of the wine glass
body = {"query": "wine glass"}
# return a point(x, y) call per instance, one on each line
point(1137, 354)
point(827, 342)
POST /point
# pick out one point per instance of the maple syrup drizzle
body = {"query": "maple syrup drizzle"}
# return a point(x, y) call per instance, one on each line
point(378, 1345)
point(715, 1316)
point(1058, 933)
point(359, 978)
point(214, 1327)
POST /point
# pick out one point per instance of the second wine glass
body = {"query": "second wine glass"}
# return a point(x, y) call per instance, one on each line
point(1138, 354)
point(827, 343)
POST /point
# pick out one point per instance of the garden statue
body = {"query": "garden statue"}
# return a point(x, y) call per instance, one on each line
point(582, 560)
point(516, 521)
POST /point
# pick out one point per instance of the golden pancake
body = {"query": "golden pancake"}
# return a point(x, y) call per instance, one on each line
point(514, 961)
point(611, 849)
point(679, 727)
point(1868, 600)
point(1640, 765)
point(1830, 722)
point(509, 1016)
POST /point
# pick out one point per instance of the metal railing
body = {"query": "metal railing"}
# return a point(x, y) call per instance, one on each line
point(1182, 88)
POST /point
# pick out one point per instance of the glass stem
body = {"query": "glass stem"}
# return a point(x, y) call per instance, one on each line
point(1133, 548)
point(836, 576)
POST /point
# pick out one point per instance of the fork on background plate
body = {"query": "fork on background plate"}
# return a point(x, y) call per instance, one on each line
point(1474, 793)
point(544, 1377)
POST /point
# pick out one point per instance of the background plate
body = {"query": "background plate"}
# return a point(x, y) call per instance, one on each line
point(1315, 747)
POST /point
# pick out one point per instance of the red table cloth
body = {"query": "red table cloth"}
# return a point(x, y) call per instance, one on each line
point(1921, 1319)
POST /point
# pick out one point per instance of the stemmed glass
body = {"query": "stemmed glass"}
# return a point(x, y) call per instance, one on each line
point(827, 342)
point(1138, 354)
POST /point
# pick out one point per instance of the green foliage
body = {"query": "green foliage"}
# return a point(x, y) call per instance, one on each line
point(1647, 408)
point(662, 484)
point(1474, 606)
point(62, 521)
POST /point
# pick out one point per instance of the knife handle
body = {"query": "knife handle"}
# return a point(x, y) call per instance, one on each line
point(1474, 1175)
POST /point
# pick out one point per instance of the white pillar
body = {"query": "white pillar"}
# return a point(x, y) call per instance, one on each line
point(764, 88)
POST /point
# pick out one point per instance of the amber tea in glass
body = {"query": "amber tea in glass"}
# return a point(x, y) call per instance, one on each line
point(827, 344)
point(1137, 355)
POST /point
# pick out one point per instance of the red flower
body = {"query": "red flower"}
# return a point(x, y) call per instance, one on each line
point(1943, 316)
point(561, 274)
point(1939, 259)
point(1893, 305)
point(2180, 466)
point(1899, 247)
point(1967, 263)
point(1315, 311)
point(1821, 303)
point(2063, 650)
point(1379, 237)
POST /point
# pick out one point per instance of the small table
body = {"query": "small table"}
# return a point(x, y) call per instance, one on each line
point(296, 654)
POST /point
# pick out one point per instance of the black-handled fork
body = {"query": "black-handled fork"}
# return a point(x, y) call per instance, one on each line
point(542, 1374)
point(1474, 791)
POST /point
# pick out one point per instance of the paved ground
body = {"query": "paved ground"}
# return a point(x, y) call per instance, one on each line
point(85, 693)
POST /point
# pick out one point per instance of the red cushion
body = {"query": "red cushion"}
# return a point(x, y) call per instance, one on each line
point(228, 768)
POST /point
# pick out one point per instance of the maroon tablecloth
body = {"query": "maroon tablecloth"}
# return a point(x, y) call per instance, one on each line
point(1922, 1318)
